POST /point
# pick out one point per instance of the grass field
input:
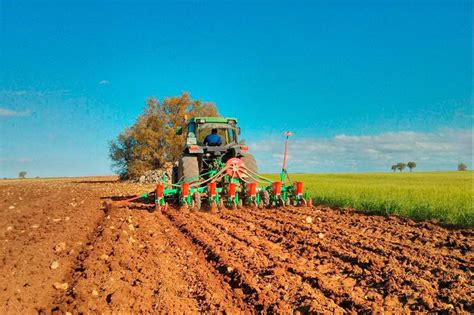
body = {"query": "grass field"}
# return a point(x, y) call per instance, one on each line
point(446, 197)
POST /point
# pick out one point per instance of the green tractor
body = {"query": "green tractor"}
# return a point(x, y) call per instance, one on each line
point(201, 160)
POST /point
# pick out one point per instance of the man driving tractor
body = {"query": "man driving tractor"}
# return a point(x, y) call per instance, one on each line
point(213, 139)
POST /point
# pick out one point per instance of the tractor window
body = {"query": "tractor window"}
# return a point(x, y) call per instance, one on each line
point(226, 133)
point(203, 132)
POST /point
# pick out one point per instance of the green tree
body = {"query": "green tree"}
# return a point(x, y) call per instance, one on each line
point(152, 140)
point(401, 166)
point(462, 167)
point(394, 168)
point(22, 174)
point(411, 165)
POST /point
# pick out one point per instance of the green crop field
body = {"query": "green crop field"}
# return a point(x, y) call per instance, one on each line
point(446, 197)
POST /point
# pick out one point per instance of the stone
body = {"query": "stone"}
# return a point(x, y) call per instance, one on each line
point(163, 174)
point(54, 265)
point(61, 286)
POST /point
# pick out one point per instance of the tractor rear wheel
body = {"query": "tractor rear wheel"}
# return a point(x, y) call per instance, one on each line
point(174, 175)
point(188, 169)
point(250, 164)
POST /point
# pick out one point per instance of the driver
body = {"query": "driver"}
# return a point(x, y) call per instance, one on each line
point(213, 139)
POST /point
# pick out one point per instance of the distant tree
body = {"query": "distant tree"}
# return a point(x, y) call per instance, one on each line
point(401, 166)
point(22, 174)
point(462, 167)
point(411, 165)
point(121, 152)
point(152, 140)
point(394, 168)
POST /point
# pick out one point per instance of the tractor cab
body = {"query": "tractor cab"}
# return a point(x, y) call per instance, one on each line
point(200, 127)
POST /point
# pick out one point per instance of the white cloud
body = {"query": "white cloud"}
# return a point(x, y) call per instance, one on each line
point(103, 82)
point(24, 160)
point(436, 150)
point(11, 113)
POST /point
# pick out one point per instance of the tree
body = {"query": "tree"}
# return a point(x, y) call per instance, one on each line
point(152, 140)
point(462, 167)
point(22, 174)
point(401, 166)
point(411, 165)
point(394, 168)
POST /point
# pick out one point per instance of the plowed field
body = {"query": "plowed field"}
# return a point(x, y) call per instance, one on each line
point(63, 251)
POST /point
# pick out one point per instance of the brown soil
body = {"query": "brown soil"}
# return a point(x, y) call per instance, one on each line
point(63, 251)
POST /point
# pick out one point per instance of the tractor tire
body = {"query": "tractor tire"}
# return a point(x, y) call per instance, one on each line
point(197, 201)
point(264, 197)
point(251, 164)
point(188, 169)
point(174, 175)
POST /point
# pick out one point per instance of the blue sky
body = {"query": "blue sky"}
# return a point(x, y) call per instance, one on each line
point(362, 85)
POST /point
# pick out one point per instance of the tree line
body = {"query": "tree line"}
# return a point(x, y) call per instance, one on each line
point(411, 165)
point(401, 166)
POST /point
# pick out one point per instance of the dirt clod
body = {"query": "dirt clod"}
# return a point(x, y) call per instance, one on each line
point(59, 247)
point(104, 257)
